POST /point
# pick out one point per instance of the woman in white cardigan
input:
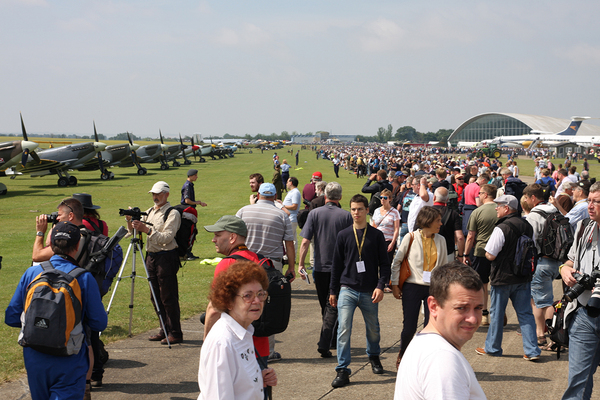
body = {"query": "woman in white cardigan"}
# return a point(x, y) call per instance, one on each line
point(428, 250)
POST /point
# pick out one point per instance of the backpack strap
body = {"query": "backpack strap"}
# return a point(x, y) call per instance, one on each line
point(47, 265)
point(97, 228)
point(85, 250)
point(446, 216)
point(167, 213)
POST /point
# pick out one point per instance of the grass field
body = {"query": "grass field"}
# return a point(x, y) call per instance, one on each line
point(223, 184)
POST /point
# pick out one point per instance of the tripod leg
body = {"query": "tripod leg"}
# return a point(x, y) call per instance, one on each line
point(119, 277)
point(156, 306)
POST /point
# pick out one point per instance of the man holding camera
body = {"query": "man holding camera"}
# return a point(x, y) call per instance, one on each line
point(584, 329)
point(162, 260)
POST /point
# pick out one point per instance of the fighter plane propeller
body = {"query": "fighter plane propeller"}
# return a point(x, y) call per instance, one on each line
point(58, 160)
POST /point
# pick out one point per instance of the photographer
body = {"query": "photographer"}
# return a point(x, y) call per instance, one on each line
point(584, 329)
point(69, 210)
point(162, 260)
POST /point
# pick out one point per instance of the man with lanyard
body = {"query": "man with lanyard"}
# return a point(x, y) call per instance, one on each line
point(162, 260)
point(359, 272)
point(322, 226)
point(584, 329)
point(230, 238)
point(188, 198)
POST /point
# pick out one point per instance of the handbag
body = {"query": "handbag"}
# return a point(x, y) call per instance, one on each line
point(404, 267)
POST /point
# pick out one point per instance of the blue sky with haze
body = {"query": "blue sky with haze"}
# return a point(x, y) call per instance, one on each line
point(267, 66)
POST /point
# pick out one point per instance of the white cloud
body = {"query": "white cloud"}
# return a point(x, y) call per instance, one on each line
point(248, 35)
point(77, 25)
point(583, 54)
point(381, 35)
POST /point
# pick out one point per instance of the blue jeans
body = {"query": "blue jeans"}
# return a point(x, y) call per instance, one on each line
point(348, 300)
point(520, 296)
point(541, 283)
point(584, 355)
point(403, 232)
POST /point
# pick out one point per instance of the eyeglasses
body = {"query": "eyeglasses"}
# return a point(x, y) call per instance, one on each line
point(63, 204)
point(482, 193)
point(460, 179)
point(384, 197)
point(248, 297)
point(595, 203)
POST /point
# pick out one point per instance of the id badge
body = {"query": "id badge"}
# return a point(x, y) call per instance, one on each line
point(427, 276)
point(360, 267)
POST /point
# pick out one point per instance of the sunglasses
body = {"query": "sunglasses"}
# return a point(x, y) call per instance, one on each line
point(384, 197)
point(63, 204)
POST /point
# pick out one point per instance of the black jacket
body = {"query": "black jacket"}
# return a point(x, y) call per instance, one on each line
point(502, 267)
point(376, 187)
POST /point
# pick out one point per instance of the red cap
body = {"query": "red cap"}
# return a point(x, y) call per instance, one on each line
point(318, 175)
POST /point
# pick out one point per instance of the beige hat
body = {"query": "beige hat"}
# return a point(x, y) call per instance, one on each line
point(160, 187)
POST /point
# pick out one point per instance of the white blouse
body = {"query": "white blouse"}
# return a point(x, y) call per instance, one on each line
point(228, 367)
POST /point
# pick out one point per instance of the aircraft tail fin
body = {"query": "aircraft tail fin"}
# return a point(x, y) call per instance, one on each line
point(573, 126)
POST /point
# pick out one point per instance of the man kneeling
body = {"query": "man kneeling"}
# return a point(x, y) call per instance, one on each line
point(433, 363)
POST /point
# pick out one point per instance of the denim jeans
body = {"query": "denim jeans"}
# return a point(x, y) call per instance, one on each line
point(541, 283)
point(584, 355)
point(403, 232)
point(520, 296)
point(348, 300)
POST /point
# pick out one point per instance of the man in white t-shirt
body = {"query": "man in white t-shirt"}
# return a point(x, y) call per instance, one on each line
point(433, 366)
point(423, 198)
point(291, 203)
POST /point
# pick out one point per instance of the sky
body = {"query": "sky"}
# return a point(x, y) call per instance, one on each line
point(249, 67)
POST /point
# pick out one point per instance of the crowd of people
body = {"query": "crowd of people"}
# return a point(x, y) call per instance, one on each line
point(439, 231)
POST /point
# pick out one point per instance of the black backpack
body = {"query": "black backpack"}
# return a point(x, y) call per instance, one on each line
point(452, 199)
point(278, 305)
point(558, 325)
point(186, 234)
point(375, 203)
point(94, 258)
point(526, 255)
point(557, 237)
point(515, 188)
point(545, 189)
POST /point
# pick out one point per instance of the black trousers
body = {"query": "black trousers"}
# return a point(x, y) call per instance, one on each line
point(328, 337)
point(162, 274)
point(412, 296)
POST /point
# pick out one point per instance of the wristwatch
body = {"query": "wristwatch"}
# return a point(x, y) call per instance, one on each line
point(39, 233)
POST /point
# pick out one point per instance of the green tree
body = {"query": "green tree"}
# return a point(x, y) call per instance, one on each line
point(406, 133)
point(123, 136)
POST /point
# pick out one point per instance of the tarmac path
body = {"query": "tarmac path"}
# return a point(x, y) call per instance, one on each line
point(141, 369)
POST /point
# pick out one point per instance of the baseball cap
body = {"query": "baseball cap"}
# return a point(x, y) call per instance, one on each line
point(229, 223)
point(68, 231)
point(267, 189)
point(159, 187)
point(399, 173)
point(192, 172)
point(317, 175)
point(508, 200)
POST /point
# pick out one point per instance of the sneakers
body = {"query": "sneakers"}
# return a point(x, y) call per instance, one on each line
point(532, 358)
point(480, 351)
point(191, 257)
point(341, 380)
point(274, 357)
point(376, 366)
point(485, 320)
point(325, 353)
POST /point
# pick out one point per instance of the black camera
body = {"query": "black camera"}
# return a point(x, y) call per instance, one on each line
point(584, 282)
point(587, 282)
point(135, 213)
point(52, 218)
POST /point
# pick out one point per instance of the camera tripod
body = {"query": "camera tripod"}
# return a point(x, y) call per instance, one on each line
point(136, 245)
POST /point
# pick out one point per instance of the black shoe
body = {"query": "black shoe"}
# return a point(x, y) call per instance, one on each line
point(96, 382)
point(342, 379)
point(376, 365)
point(191, 257)
point(325, 353)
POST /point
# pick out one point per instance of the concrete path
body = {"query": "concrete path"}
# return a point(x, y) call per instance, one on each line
point(141, 369)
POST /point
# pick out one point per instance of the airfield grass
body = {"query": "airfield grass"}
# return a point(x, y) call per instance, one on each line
point(222, 184)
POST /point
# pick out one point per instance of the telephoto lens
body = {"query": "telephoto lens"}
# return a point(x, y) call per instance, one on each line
point(593, 304)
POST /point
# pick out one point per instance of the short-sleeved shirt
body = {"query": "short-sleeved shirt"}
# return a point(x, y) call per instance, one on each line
point(187, 192)
point(293, 197)
point(385, 220)
point(267, 226)
point(471, 192)
point(415, 207)
point(482, 221)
